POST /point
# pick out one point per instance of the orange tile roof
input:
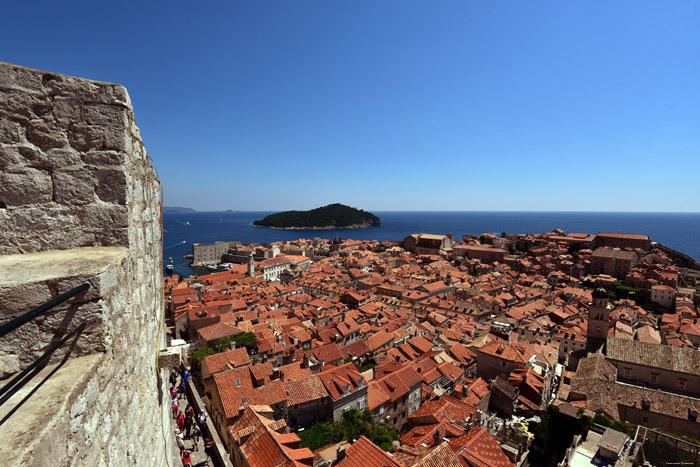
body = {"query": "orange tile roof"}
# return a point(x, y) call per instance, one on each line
point(364, 453)
point(300, 391)
point(480, 449)
point(259, 443)
point(228, 359)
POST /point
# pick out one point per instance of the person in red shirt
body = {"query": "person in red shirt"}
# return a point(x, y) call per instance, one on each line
point(186, 459)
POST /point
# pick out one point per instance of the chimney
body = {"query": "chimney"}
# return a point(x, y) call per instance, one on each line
point(437, 437)
point(275, 373)
point(465, 390)
point(340, 453)
point(281, 375)
point(395, 446)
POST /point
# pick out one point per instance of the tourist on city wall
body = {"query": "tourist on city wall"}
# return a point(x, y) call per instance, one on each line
point(173, 391)
point(202, 420)
point(181, 421)
point(175, 406)
point(183, 390)
point(208, 448)
point(189, 420)
point(180, 440)
point(186, 376)
point(173, 378)
point(186, 459)
point(196, 433)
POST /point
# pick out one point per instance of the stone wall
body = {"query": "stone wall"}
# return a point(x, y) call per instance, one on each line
point(74, 174)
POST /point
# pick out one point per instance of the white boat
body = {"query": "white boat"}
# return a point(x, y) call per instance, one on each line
point(169, 268)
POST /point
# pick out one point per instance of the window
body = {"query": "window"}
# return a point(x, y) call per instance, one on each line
point(645, 419)
point(681, 383)
point(503, 364)
point(653, 378)
point(381, 410)
point(627, 372)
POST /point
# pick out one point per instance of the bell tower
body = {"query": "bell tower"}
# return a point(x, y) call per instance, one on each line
point(598, 321)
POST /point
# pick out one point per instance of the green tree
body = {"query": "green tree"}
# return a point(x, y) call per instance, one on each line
point(222, 344)
point(200, 355)
point(484, 239)
point(247, 339)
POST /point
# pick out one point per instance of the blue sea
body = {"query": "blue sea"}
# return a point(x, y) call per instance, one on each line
point(680, 231)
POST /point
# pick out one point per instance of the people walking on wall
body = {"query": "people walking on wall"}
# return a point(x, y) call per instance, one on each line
point(173, 378)
point(181, 421)
point(180, 440)
point(175, 406)
point(183, 390)
point(196, 433)
point(202, 420)
point(186, 376)
point(173, 391)
point(208, 448)
point(186, 459)
point(189, 421)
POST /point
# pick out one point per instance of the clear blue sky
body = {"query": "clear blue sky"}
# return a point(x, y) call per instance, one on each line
point(395, 105)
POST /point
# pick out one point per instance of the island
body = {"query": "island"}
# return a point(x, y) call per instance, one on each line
point(177, 209)
point(333, 216)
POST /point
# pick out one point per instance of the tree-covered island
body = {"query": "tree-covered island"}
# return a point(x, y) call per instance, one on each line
point(333, 216)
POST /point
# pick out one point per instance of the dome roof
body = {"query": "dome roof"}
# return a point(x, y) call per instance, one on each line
point(600, 293)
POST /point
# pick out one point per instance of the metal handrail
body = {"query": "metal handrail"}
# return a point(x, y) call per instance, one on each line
point(37, 362)
point(20, 320)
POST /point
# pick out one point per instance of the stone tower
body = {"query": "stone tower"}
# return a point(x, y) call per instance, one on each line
point(598, 321)
point(251, 265)
point(80, 204)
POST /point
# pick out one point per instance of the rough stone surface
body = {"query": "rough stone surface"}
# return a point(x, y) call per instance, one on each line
point(75, 142)
point(65, 143)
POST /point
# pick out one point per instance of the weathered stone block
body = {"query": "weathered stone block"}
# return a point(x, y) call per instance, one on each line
point(29, 187)
point(9, 131)
point(170, 358)
point(67, 110)
point(9, 365)
point(111, 186)
point(74, 187)
point(10, 157)
point(110, 116)
point(98, 158)
point(45, 134)
point(19, 106)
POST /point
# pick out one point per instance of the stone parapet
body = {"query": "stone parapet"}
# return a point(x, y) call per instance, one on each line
point(79, 202)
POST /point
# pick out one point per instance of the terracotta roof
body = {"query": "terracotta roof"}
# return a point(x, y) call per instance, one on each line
point(235, 389)
point(344, 377)
point(655, 356)
point(304, 390)
point(226, 360)
point(364, 453)
point(260, 445)
point(442, 456)
point(379, 339)
point(479, 449)
point(517, 352)
point(376, 396)
point(445, 409)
